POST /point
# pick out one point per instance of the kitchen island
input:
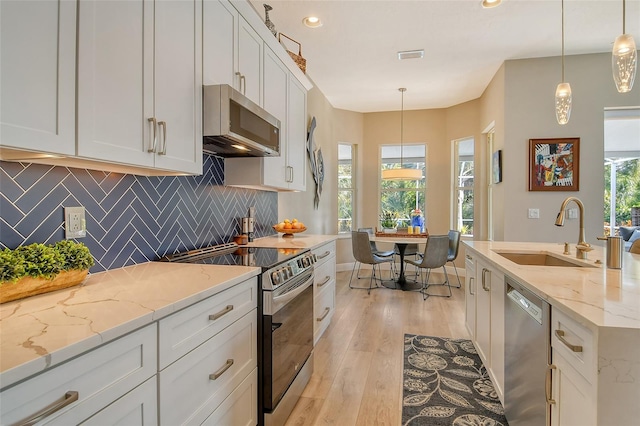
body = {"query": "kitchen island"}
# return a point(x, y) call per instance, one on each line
point(595, 326)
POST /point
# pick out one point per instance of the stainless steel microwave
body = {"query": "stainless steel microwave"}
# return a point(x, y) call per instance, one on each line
point(234, 126)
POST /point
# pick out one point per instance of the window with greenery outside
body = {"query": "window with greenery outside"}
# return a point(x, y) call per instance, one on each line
point(401, 197)
point(627, 190)
point(346, 188)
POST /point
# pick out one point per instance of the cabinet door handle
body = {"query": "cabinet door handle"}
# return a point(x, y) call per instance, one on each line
point(326, 280)
point(323, 255)
point(221, 371)
point(484, 279)
point(547, 385)
point(163, 124)
point(67, 399)
point(154, 123)
point(560, 336)
point(243, 83)
point(471, 281)
point(217, 315)
point(324, 314)
point(468, 257)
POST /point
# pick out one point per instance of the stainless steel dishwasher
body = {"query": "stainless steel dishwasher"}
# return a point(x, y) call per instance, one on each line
point(527, 355)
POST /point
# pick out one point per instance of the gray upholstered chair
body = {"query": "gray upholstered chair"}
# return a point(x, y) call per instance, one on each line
point(454, 245)
point(435, 256)
point(362, 253)
point(375, 250)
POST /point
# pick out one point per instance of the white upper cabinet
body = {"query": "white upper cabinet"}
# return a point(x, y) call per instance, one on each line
point(37, 76)
point(276, 77)
point(297, 135)
point(219, 35)
point(249, 74)
point(139, 83)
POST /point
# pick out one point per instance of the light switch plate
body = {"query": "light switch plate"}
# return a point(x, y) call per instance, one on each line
point(534, 214)
point(75, 225)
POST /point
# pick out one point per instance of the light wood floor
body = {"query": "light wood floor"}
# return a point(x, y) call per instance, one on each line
point(357, 377)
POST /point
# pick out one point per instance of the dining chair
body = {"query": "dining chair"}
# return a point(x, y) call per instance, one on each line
point(363, 254)
point(375, 250)
point(436, 252)
point(454, 245)
point(635, 247)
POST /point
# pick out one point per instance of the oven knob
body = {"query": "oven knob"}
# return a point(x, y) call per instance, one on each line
point(300, 263)
point(276, 277)
point(290, 271)
point(305, 262)
point(286, 273)
point(315, 259)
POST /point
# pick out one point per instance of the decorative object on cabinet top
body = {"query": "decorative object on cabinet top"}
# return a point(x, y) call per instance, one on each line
point(297, 57)
point(267, 21)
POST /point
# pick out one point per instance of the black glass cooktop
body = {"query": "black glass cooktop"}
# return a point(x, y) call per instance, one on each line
point(262, 257)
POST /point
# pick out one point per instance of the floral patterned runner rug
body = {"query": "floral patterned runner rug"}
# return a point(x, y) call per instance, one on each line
point(445, 383)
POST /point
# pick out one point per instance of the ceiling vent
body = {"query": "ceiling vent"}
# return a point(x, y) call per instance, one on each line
point(411, 54)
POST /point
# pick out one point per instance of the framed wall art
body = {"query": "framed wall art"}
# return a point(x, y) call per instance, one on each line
point(554, 164)
point(496, 166)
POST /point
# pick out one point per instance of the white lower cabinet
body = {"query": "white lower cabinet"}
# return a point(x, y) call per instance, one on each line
point(574, 376)
point(86, 385)
point(324, 288)
point(138, 407)
point(470, 288)
point(489, 338)
point(195, 385)
point(240, 408)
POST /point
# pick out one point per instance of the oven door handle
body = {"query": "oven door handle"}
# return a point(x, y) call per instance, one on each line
point(280, 301)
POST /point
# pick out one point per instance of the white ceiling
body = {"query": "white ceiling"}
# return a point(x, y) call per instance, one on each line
point(352, 58)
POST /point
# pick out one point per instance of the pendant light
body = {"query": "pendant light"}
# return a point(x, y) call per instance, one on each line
point(563, 91)
point(402, 173)
point(624, 59)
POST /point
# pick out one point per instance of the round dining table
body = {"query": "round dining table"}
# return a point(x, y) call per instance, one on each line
point(401, 241)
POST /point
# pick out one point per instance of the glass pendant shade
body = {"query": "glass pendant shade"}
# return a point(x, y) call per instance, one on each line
point(624, 62)
point(563, 103)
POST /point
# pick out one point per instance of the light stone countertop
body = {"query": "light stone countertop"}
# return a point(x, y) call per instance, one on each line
point(598, 296)
point(301, 240)
point(44, 330)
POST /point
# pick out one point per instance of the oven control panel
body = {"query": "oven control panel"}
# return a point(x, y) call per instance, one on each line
point(284, 272)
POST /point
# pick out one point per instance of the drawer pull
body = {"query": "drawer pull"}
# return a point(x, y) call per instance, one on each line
point(484, 279)
point(471, 281)
point(324, 314)
point(220, 372)
point(560, 336)
point(67, 399)
point(326, 280)
point(547, 385)
point(225, 311)
point(323, 255)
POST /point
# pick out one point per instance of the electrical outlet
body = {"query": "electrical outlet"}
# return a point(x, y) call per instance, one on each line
point(75, 225)
point(534, 214)
point(573, 213)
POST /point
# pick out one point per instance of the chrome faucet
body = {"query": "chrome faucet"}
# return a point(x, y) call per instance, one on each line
point(582, 248)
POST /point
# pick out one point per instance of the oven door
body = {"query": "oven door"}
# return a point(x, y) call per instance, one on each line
point(288, 336)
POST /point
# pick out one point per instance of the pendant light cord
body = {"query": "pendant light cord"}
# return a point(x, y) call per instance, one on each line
point(402, 90)
point(623, 16)
point(563, 40)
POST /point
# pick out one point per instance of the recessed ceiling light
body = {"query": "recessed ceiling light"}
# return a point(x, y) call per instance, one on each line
point(312, 22)
point(411, 54)
point(490, 3)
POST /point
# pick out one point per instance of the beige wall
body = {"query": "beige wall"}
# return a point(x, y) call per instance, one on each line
point(518, 103)
point(529, 113)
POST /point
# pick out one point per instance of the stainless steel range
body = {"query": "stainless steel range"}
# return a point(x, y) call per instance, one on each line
point(285, 320)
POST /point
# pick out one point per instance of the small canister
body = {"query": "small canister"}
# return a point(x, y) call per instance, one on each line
point(615, 248)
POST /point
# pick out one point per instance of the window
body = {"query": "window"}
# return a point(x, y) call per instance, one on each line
point(401, 197)
point(346, 188)
point(463, 186)
point(621, 167)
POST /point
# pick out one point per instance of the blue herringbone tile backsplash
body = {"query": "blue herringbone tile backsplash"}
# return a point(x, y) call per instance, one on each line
point(130, 219)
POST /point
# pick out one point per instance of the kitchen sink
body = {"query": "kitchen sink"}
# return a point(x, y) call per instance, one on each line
point(541, 258)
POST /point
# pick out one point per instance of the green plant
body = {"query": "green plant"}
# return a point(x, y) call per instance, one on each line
point(40, 261)
point(76, 255)
point(388, 219)
point(11, 265)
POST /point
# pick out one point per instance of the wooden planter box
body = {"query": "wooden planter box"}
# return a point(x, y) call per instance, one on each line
point(29, 286)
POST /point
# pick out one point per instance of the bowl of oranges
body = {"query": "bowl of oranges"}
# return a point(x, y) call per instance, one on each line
point(289, 227)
